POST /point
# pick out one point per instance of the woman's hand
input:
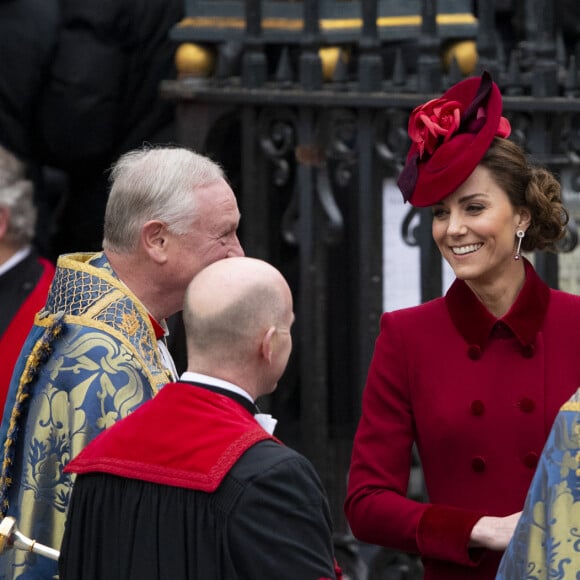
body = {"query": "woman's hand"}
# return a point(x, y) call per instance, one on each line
point(493, 533)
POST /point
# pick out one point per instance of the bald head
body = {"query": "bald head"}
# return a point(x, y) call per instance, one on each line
point(237, 317)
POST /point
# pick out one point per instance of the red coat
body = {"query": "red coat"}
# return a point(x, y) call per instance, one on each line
point(478, 397)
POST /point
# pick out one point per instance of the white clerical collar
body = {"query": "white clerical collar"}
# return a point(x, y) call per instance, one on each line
point(15, 259)
point(207, 380)
point(266, 421)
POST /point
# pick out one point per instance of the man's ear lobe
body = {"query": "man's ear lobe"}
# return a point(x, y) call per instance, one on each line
point(154, 240)
point(266, 346)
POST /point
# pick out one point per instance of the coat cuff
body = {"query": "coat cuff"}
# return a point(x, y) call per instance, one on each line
point(443, 534)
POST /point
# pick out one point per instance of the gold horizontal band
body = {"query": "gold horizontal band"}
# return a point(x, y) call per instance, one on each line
point(297, 24)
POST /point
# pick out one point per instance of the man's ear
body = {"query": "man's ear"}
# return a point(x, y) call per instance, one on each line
point(154, 240)
point(266, 346)
point(4, 219)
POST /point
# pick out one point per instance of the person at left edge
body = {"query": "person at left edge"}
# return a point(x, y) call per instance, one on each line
point(25, 276)
point(96, 351)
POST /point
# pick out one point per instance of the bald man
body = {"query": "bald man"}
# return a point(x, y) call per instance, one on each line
point(193, 484)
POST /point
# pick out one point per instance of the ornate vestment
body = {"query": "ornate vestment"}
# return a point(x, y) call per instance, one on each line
point(90, 359)
point(546, 542)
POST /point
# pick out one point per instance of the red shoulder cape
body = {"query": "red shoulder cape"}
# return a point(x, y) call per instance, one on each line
point(186, 436)
point(15, 335)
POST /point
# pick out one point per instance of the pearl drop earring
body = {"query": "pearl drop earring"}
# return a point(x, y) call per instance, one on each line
point(520, 234)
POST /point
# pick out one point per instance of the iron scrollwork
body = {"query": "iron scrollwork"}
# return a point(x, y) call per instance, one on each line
point(392, 141)
point(277, 138)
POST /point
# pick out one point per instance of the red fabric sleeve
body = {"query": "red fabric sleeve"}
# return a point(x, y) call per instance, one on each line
point(442, 530)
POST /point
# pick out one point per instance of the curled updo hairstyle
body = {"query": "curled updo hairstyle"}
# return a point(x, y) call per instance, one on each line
point(532, 187)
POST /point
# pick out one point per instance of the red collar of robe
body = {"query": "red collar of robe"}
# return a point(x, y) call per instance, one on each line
point(157, 328)
point(13, 339)
point(475, 323)
point(186, 436)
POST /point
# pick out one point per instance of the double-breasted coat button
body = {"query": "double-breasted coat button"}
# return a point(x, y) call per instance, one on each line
point(526, 405)
point(474, 352)
point(477, 407)
point(478, 464)
point(531, 460)
point(528, 350)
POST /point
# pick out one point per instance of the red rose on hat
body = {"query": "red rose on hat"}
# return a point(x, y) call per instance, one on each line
point(504, 128)
point(435, 119)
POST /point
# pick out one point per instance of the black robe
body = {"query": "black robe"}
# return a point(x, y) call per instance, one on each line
point(267, 519)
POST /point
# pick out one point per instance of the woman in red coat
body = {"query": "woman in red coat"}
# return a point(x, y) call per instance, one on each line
point(474, 378)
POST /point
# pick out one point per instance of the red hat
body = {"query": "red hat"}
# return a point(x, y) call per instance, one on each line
point(450, 137)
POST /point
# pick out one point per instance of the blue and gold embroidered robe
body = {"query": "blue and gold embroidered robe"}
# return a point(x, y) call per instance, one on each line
point(546, 542)
point(90, 359)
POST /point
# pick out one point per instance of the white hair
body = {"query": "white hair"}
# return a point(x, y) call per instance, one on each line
point(154, 183)
point(16, 195)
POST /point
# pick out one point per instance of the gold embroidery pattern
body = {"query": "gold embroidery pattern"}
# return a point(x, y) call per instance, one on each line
point(104, 364)
point(546, 543)
point(84, 291)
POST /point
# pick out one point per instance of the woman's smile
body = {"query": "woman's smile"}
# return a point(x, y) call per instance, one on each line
point(466, 249)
